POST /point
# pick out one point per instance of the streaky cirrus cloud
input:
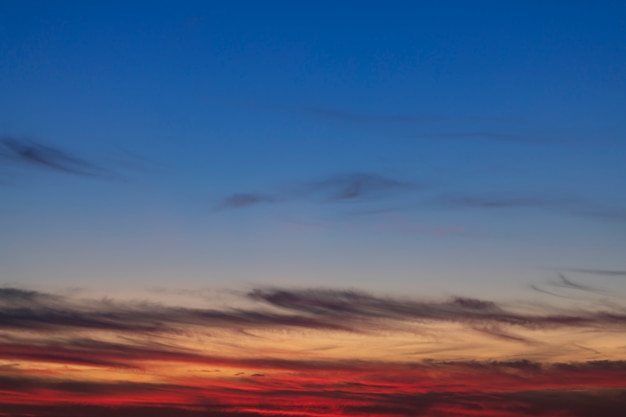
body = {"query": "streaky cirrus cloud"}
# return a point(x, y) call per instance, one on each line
point(240, 200)
point(570, 205)
point(307, 352)
point(350, 186)
point(395, 195)
point(334, 114)
point(346, 116)
point(30, 153)
point(501, 201)
point(322, 309)
point(608, 272)
point(357, 185)
point(495, 136)
point(568, 284)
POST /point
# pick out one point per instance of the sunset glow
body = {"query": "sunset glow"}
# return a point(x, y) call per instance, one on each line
point(309, 353)
point(307, 208)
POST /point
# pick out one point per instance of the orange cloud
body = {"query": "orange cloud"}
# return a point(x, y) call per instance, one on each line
point(307, 353)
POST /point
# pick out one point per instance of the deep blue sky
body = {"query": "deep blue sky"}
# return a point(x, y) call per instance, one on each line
point(424, 146)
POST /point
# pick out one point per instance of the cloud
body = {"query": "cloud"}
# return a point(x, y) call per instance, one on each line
point(607, 272)
point(322, 309)
point(563, 204)
point(46, 312)
point(29, 153)
point(544, 291)
point(498, 201)
point(356, 185)
point(75, 356)
point(240, 200)
point(333, 114)
point(337, 115)
point(567, 283)
point(18, 296)
point(614, 214)
point(380, 194)
point(429, 388)
point(351, 186)
point(501, 137)
point(354, 307)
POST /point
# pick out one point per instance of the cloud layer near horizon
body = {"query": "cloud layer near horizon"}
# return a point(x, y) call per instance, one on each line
point(309, 352)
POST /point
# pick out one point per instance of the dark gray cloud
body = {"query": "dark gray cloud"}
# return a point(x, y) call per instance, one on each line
point(355, 307)
point(278, 308)
point(608, 272)
point(22, 310)
point(17, 295)
point(567, 283)
point(544, 291)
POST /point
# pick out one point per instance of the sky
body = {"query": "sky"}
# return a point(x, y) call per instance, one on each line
point(312, 208)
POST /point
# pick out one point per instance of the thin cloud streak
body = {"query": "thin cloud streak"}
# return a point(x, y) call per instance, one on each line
point(356, 185)
point(500, 201)
point(345, 116)
point(500, 137)
point(240, 200)
point(607, 272)
point(29, 153)
point(563, 204)
point(567, 283)
point(344, 187)
point(398, 196)
point(333, 114)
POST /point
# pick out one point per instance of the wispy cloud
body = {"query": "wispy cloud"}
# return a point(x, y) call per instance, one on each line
point(500, 137)
point(351, 306)
point(608, 272)
point(240, 200)
point(499, 201)
point(356, 185)
point(75, 356)
point(568, 283)
point(570, 205)
point(346, 116)
point(352, 311)
point(351, 186)
point(610, 214)
point(30, 153)
point(389, 194)
point(429, 389)
point(335, 114)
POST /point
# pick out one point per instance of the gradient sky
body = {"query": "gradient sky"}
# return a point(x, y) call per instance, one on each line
point(395, 157)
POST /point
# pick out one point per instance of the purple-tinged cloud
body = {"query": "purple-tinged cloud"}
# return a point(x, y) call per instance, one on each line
point(240, 200)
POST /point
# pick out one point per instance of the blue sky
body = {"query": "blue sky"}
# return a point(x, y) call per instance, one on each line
point(403, 146)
